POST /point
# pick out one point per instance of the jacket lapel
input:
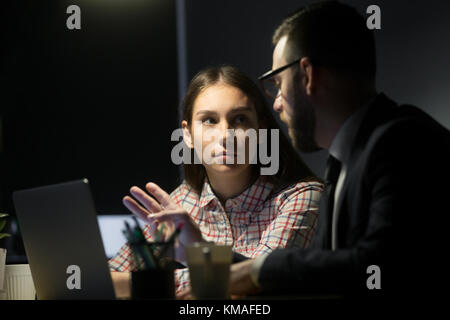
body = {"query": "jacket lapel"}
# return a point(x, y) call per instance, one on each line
point(378, 113)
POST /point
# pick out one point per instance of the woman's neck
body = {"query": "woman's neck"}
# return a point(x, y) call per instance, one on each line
point(227, 186)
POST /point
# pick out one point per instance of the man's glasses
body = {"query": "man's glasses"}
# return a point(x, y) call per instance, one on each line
point(270, 86)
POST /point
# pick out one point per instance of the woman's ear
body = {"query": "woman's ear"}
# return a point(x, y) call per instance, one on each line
point(309, 79)
point(187, 134)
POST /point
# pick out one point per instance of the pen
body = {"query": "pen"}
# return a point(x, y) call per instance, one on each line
point(133, 249)
point(160, 233)
point(141, 251)
point(141, 237)
point(138, 229)
point(171, 239)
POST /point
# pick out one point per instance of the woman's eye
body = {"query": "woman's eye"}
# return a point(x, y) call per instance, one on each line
point(240, 119)
point(208, 121)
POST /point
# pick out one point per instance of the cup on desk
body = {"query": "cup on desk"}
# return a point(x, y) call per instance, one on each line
point(19, 282)
point(209, 270)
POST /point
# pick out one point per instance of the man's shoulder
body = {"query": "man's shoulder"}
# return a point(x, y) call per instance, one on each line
point(402, 137)
point(408, 125)
point(389, 122)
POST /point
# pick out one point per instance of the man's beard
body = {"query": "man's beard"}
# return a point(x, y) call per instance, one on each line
point(303, 124)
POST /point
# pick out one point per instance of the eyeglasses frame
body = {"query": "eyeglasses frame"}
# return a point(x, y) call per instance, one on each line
point(271, 73)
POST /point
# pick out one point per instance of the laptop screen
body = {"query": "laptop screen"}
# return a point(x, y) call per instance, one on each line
point(111, 226)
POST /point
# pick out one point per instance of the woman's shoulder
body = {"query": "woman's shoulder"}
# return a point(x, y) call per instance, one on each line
point(184, 193)
point(311, 184)
point(301, 189)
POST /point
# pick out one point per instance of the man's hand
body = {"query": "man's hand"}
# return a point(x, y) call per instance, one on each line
point(241, 283)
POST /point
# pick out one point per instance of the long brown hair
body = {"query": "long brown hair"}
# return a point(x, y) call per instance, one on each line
point(291, 167)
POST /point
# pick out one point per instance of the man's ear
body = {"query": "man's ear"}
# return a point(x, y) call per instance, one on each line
point(309, 79)
point(187, 134)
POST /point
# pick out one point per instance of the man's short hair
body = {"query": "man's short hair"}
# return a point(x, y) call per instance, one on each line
point(332, 35)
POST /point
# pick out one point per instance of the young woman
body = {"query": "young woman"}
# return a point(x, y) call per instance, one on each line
point(230, 204)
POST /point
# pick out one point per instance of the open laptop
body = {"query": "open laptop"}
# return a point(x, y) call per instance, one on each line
point(62, 241)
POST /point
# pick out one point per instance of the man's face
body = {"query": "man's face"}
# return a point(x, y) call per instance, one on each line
point(292, 103)
point(284, 103)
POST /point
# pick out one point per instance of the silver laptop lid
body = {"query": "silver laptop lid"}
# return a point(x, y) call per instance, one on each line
point(62, 242)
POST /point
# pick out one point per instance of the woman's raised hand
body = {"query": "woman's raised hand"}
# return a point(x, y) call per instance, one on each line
point(161, 208)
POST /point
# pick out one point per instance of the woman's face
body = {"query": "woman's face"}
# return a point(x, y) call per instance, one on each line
point(217, 109)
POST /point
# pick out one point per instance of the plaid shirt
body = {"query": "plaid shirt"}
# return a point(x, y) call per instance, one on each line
point(254, 223)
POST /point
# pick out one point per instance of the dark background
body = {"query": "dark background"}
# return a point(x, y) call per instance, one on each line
point(101, 102)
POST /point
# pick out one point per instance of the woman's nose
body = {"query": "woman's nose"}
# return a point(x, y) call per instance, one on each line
point(226, 132)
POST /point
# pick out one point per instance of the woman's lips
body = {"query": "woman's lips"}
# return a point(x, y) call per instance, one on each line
point(224, 154)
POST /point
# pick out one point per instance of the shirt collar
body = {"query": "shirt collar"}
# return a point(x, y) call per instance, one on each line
point(248, 200)
point(207, 194)
point(340, 146)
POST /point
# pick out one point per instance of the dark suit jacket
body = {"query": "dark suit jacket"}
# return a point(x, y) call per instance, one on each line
point(393, 203)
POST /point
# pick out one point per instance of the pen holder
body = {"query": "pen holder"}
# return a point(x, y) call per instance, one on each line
point(156, 279)
point(153, 284)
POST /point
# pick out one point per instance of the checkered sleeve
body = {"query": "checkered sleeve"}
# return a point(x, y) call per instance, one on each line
point(124, 260)
point(296, 219)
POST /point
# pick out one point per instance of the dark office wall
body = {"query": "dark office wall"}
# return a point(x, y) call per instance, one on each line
point(99, 102)
point(413, 46)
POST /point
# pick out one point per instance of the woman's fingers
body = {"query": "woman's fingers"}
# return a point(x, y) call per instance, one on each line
point(137, 209)
point(190, 233)
point(160, 195)
point(171, 215)
point(142, 214)
point(146, 200)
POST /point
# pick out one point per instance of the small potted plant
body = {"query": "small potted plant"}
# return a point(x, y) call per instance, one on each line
point(2, 250)
point(2, 225)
